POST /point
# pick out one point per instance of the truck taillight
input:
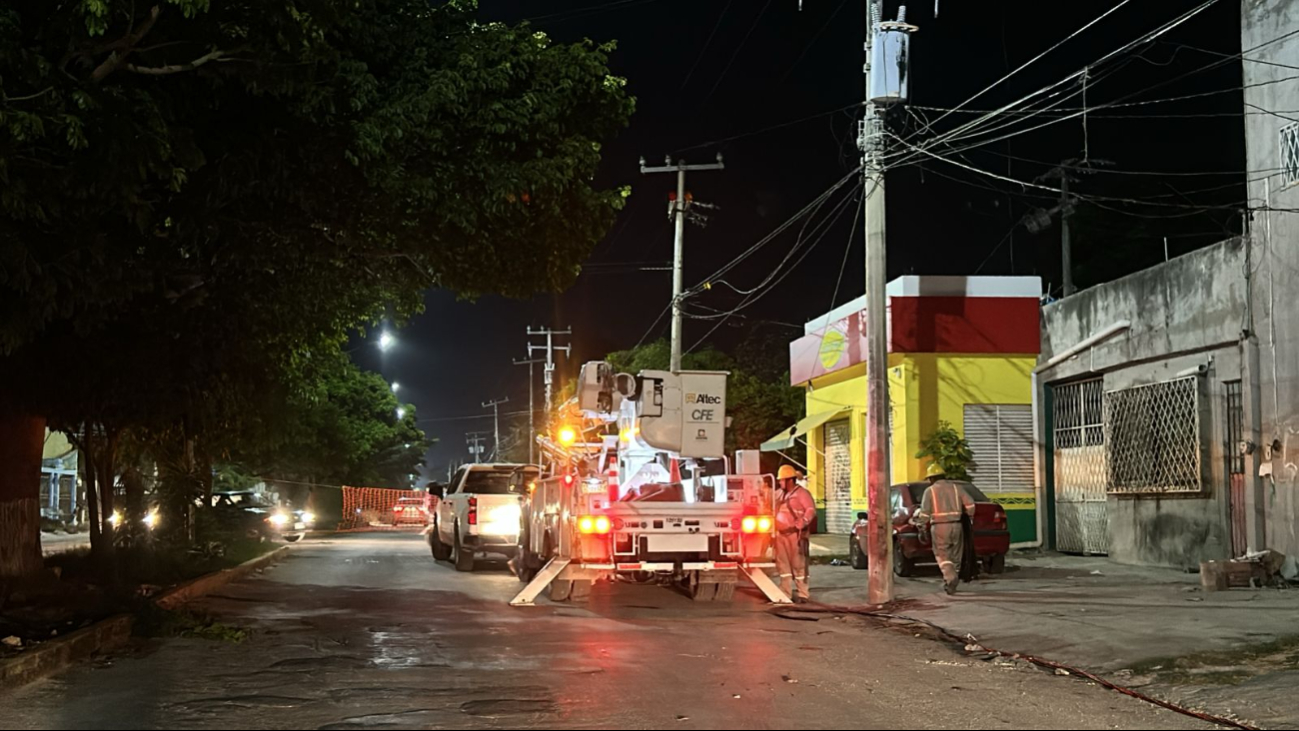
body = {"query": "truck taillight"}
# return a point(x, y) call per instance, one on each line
point(593, 525)
point(756, 524)
point(473, 511)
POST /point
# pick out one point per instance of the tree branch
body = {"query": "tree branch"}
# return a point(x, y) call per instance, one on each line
point(29, 97)
point(181, 67)
point(125, 44)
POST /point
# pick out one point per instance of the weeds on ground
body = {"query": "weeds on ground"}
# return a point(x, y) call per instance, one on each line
point(152, 621)
point(1224, 667)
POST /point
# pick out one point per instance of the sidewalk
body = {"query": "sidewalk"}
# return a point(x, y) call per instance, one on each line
point(1235, 653)
point(52, 543)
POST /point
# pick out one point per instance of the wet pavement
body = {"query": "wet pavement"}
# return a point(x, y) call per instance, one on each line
point(367, 632)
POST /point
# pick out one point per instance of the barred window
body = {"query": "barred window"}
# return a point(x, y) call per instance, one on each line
point(1152, 438)
point(1290, 154)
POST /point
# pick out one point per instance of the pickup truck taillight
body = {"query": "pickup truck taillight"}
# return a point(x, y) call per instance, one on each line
point(473, 511)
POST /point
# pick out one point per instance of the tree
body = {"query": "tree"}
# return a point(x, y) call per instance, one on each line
point(946, 448)
point(180, 184)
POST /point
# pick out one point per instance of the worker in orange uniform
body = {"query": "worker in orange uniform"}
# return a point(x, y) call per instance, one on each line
point(944, 509)
point(795, 514)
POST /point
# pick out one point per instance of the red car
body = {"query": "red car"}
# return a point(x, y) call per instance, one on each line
point(410, 511)
point(911, 547)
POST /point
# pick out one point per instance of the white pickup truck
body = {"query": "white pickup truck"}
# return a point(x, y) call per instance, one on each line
point(481, 512)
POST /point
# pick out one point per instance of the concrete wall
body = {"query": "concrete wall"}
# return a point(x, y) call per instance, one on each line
point(1185, 314)
point(1274, 253)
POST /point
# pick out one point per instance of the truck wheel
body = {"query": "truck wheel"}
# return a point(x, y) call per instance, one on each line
point(997, 564)
point(464, 560)
point(561, 590)
point(902, 566)
point(581, 591)
point(856, 556)
point(698, 589)
point(441, 552)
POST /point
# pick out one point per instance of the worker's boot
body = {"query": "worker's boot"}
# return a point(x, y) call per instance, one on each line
point(950, 586)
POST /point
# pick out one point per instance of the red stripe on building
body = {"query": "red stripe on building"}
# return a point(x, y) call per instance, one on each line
point(979, 325)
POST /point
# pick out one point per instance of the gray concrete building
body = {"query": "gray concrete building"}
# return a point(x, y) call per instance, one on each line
point(1270, 42)
point(1168, 414)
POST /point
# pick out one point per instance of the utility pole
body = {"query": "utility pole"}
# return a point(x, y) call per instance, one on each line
point(680, 204)
point(549, 348)
point(532, 410)
point(887, 68)
point(495, 406)
point(475, 441)
point(1066, 246)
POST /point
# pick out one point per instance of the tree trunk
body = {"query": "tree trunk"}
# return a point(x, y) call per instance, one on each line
point(22, 440)
point(106, 466)
point(86, 460)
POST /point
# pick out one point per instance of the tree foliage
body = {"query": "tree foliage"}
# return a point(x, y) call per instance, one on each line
point(946, 448)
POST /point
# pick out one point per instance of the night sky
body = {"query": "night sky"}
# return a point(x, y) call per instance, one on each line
point(777, 91)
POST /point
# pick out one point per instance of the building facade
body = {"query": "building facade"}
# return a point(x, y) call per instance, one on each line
point(1141, 408)
point(961, 351)
point(1270, 41)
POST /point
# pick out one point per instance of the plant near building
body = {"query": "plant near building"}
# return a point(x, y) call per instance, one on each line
point(946, 448)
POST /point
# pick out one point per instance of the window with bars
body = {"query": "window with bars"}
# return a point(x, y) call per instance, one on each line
point(1290, 154)
point(1079, 415)
point(1235, 428)
point(1152, 438)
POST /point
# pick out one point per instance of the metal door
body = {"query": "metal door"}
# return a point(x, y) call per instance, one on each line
point(1236, 468)
point(838, 484)
point(1081, 501)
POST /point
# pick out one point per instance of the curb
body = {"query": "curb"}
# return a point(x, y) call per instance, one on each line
point(57, 655)
point(204, 585)
point(60, 654)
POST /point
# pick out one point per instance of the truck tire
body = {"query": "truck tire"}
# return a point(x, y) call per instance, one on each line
point(464, 560)
point(902, 566)
point(856, 556)
point(561, 590)
point(441, 552)
point(581, 591)
point(700, 590)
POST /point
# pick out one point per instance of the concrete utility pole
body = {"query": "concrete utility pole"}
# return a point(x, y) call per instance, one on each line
point(550, 348)
point(495, 406)
point(532, 410)
point(1066, 246)
point(475, 441)
point(680, 204)
point(888, 64)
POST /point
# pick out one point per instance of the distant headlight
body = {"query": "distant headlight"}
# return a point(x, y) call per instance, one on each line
point(151, 520)
point(308, 517)
point(278, 520)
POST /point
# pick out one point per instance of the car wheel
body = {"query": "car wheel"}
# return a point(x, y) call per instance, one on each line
point(997, 564)
point(441, 552)
point(856, 556)
point(902, 566)
point(293, 538)
point(464, 560)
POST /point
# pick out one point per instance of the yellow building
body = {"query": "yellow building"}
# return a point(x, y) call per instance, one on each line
point(962, 351)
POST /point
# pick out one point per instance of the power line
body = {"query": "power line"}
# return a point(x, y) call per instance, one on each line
point(735, 55)
point(707, 44)
point(587, 11)
point(772, 128)
point(812, 42)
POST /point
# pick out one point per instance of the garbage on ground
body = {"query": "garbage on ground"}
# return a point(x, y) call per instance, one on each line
point(1253, 570)
point(1290, 569)
point(1097, 573)
point(838, 562)
point(12, 641)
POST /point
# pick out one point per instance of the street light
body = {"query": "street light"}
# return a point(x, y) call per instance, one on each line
point(386, 341)
point(401, 413)
point(395, 386)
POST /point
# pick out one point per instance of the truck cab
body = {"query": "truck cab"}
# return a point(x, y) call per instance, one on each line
point(480, 513)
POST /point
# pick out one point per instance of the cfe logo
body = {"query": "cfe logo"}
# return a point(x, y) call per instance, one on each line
point(703, 399)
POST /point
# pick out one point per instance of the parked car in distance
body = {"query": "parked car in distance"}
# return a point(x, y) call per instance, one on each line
point(481, 512)
point(911, 546)
point(252, 513)
point(411, 511)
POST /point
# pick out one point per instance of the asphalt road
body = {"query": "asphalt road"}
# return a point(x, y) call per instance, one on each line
point(367, 632)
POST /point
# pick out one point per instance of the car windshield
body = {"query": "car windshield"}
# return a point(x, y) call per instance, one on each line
point(496, 482)
point(975, 493)
point(918, 492)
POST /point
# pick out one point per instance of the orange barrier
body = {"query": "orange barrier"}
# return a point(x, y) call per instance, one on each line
point(375, 509)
